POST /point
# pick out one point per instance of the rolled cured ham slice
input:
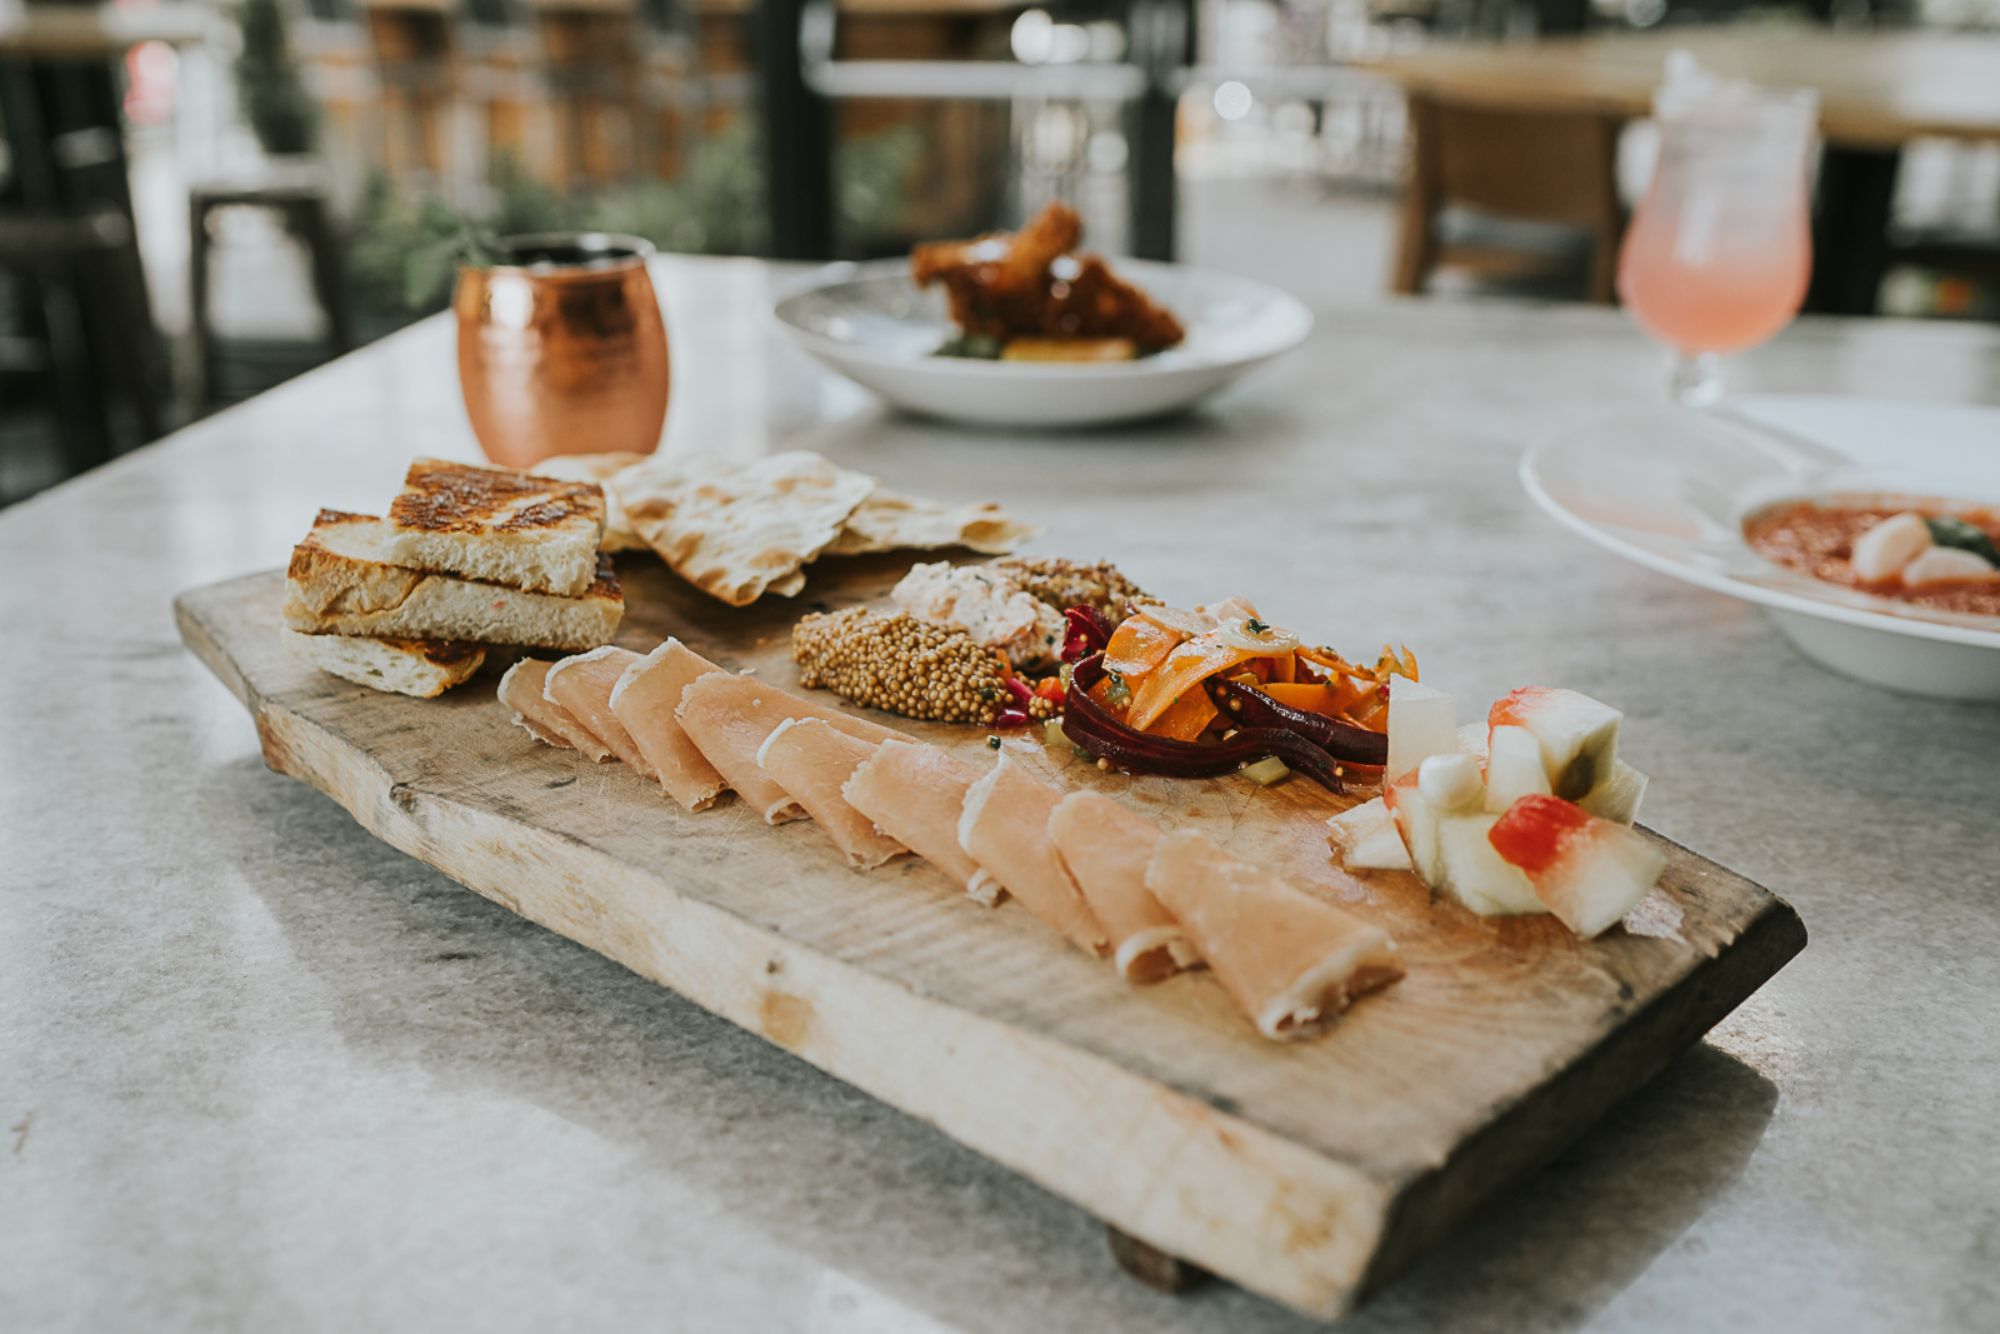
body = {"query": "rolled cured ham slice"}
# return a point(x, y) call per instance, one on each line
point(812, 759)
point(728, 717)
point(582, 685)
point(522, 690)
point(915, 793)
point(1105, 848)
point(1005, 827)
point(1290, 960)
point(647, 693)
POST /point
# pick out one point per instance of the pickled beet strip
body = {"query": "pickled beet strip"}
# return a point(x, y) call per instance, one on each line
point(1085, 633)
point(1343, 740)
point(1090, 726)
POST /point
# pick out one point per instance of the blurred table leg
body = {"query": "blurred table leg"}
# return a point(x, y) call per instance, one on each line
point(1857, 190)
point(798, 138)
point(1161, 33)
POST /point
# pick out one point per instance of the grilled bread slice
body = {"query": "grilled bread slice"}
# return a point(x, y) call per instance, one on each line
point(600, 468)
point(537, 534)
point(341, 582)
point(425, 668)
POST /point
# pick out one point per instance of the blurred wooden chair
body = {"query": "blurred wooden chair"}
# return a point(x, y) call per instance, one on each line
point(295, 191)
point(1511, 166)
point(80, 273)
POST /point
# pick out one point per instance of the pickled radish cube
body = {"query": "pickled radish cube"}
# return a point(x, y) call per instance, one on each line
point(1578, 735)
point(1948, 565)
point(1452, 783)
point(1589, 871)
point(1475, 872)
point(1617, 797)
point(1366, 838)
point(1472, 741)
point(1420, 726)
point(1883, 551)
point(1417, 821)
point(1514, 767)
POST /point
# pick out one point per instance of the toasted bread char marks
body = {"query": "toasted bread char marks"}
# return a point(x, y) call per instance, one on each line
point(728, 716)
point(1105, 848)
point(524, 689)
point(812, 759)
point(582, 685)
point(340, 581)
point(1004, 826)
point(599, 468)
point(915, 793)
point(1291, 960)
point(538, 534)
point(645, 697)
point(423, 668)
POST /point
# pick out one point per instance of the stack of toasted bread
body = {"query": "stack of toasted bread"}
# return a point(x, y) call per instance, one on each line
point(469, 558)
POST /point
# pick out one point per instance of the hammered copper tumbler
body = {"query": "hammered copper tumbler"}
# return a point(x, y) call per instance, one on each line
point(561, 349)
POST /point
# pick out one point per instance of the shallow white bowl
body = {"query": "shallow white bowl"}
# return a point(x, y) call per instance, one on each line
point(872, 324)
point(1669, 489)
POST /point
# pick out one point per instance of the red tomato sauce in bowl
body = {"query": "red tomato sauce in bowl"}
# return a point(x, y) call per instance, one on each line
point(1816, 538)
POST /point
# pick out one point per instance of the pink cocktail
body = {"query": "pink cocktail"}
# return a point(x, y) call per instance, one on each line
point(1719, 252)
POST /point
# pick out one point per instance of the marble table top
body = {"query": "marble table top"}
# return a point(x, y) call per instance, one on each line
point(258, 1071)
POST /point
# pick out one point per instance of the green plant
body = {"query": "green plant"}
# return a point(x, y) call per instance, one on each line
point(407, 249)
point(281, 113)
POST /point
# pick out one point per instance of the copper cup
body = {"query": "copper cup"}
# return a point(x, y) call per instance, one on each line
point(561, 349)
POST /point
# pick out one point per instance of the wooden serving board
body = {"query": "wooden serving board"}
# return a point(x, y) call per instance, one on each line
point(1310, 1172)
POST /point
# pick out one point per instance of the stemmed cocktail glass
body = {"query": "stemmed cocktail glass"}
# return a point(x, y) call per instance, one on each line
point(1718, 254)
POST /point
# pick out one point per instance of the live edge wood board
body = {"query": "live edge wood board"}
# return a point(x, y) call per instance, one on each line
point(1310, 1172)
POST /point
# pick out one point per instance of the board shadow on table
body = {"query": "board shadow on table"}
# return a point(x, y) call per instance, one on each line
point(471, 998)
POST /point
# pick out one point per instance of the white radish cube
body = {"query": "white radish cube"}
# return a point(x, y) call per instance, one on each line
point(1476, 873)
point(1417, 821)
point(1451, 783)
point(1366, 838)
point(1881, 553)
point(1589, 871)
point(1514, 767)
point(1472, 740)
point(1617, 797)
point(1420, 726)
point(1948, 565)
point(1578, 735)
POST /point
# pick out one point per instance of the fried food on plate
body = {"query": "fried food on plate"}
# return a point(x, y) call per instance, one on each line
point(1028, 286)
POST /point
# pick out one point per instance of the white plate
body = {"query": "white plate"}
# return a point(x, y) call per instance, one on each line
point(1669, 489)
point(873, 325)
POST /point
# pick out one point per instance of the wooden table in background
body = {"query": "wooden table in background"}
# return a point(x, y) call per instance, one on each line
point(1877, 93)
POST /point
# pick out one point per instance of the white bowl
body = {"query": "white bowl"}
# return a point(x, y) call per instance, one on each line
point(872, 324)
point(1669, 489)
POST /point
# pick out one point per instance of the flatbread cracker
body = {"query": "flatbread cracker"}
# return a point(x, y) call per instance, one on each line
point(889, 522)
point(737, 528)
point(599, 468)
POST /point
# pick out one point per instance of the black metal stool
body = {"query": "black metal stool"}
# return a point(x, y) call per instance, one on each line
point(295, 193)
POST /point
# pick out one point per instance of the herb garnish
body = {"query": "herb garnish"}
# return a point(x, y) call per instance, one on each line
point(1950, 531)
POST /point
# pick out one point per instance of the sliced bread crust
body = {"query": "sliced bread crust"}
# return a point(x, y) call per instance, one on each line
point(341, 582)
point(425, 668)
point(537, 534)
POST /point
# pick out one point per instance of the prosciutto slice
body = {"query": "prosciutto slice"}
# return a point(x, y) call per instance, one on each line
point(523, 689)
point(915, 793)
point(1004, 826)
point(729, 716)
point(1290, 960)
point(812, 760)
point(1105, 849)
point(582, 685)
point(644, 699)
